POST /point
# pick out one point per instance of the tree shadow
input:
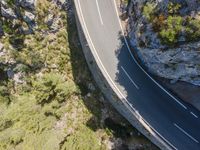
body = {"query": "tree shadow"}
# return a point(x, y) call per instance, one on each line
point(80, 70)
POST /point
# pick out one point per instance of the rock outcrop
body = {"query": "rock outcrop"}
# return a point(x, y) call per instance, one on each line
point(179, 57)
point(13, 12)
point(18, 19)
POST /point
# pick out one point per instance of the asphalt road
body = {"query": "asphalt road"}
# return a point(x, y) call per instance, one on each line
point(177, 122)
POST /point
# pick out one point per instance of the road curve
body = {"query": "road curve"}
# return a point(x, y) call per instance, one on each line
point(175, 121)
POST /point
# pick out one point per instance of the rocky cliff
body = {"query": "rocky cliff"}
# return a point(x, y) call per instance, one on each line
point(166, 34)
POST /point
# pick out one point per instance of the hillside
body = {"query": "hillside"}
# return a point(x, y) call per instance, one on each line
point(167, 36)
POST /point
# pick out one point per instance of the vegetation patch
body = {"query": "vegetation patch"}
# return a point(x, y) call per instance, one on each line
point(172, 24)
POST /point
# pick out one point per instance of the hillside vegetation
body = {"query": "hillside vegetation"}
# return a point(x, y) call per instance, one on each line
point(41, 105)
point(177, 21)
point(166, 37)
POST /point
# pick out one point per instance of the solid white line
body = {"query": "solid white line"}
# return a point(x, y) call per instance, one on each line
point(161, 136)
point(130, 78)
point(186, 133)
point(194, 115)
point(139, 64)
point(98, 9)
point(90, 40)
point(133, 110)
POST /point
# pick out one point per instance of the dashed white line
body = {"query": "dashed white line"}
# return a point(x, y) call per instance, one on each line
point(92, 45)
point(139, 64)
point(186, 133)
point(130, 78)
point(98, 9)
point(193, 114)
point(110, 79)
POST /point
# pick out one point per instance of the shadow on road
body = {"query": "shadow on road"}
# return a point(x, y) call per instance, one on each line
point(127, 70)
point(83, 78)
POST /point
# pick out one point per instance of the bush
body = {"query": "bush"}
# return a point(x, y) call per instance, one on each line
point(170, 25)
point(173, 8)
point(193, 29)
point(170, 32)
point(52, 87)
point(4, 95)
point(148, 10)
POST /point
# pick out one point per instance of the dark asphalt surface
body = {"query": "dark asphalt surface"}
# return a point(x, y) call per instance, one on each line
point(168, 117)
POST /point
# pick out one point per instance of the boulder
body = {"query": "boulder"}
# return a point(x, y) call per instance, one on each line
point(10, 73)
point(29, 18)
point(1, 30)
point(49, 20)
point(8, 13)
point(27, 4)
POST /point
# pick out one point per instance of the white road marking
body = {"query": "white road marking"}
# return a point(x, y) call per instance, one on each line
point(130, 78)
point(133, 110)
point(186, 133)
point(139, 64)
point(90, 41)
point(194, 115)
point(99, 12)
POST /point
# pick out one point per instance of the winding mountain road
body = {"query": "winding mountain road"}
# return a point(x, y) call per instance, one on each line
point(175, 121)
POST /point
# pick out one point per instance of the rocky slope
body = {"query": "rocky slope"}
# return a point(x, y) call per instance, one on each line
point(166, 35)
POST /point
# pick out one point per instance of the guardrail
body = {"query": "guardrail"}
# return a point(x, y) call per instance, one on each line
point(138, 116)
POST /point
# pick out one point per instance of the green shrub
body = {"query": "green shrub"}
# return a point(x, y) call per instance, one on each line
point(170, 25)
point(10, 2)
point(52, 87)
point(173, 8)
point(148, 10)
point(4, 94)
point(170, 32)
point(193, 29)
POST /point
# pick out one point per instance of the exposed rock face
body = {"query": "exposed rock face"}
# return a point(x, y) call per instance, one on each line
point(11, 13)
point(8, 13)
point(19, 18)
point(178, 62)
point(28, 4)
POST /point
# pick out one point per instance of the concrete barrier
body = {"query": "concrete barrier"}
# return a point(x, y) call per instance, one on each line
point(111, 93)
